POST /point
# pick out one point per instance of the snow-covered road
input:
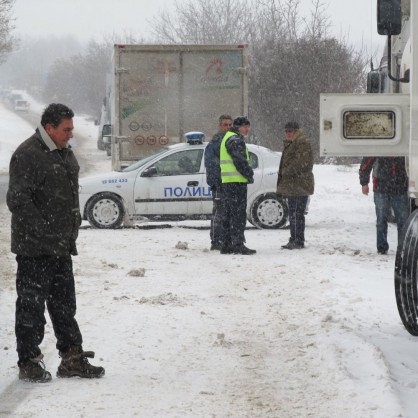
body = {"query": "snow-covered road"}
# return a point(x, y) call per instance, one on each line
point(192, 333)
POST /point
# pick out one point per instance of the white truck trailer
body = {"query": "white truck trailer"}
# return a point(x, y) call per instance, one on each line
point(160, 92)
point(386, 124)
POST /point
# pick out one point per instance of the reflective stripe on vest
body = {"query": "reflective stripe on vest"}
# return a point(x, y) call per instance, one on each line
point(229, 172)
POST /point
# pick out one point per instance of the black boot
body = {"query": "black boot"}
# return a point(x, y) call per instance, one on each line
point(33, 370)
point(242, 249)
point(293, 245)
point(74, 363)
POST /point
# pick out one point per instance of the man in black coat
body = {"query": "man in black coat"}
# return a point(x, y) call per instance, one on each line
point(43, 200)
point(213, 178)
point(390, 187)
point(236, 173)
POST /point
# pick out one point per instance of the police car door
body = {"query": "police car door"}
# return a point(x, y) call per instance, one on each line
point(255, 163)
point(174, 185)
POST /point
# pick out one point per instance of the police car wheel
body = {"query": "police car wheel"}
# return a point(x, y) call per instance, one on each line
point(105, 211)
point(269, 212)
point(406, 271)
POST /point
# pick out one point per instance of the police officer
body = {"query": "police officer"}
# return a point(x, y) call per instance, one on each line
point(236, 173)
point(213, 178)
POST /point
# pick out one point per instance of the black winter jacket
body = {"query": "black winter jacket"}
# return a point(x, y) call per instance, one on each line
point(213, 168)
point(43, 199)
point(389, 174)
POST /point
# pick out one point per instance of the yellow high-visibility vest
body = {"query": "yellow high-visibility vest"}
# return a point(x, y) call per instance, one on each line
point(229, 172)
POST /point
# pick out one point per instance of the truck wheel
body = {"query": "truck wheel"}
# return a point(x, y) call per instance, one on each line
point(406, 275)
point(269, 212)
point(106, 211)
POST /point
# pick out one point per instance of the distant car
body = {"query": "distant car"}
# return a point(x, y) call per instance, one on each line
point(21, 106)
point(103, 142)
point(171, 185)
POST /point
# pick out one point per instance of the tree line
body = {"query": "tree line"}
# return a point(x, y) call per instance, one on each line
point(292, 59)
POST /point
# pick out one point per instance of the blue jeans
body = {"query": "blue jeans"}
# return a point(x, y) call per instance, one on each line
point(383, 202)
point(297, 206)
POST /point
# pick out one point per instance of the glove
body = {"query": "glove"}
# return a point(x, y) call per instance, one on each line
point(251, 180)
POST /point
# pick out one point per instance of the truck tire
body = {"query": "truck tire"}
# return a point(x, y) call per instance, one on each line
point(269, 212)
point(105, 211)
point(406, 275)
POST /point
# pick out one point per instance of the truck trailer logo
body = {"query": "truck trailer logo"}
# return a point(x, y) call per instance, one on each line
point(215, 72)
point(214, 67)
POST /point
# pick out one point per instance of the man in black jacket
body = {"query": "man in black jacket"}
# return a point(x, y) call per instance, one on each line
point(213, 178)
point(43, 199)
point(236, 173)
point(390, 187)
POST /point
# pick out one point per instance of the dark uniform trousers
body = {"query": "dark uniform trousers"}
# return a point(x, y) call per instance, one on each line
point(234, 212)
point(216, 222)
point(40, 280)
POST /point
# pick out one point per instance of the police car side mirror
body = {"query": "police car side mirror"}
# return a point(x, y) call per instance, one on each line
point(149, 172)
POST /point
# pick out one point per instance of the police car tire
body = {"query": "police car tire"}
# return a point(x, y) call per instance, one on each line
point(264, 209)
point(406, 271)
point(105, 211)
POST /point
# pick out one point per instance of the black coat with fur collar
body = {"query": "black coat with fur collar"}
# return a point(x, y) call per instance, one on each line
point(43, 199)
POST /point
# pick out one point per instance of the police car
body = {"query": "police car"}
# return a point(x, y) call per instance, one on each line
point(171, 185)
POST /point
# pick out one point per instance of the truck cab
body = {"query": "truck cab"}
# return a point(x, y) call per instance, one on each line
point(385, 123)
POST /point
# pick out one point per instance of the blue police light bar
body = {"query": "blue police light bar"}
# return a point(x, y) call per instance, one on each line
point(194, 137)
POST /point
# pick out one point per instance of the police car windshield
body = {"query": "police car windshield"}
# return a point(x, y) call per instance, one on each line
point(145, 160)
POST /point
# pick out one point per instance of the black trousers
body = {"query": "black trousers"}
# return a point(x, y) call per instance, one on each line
point(45, 280)
point(216, 226)
point(297, 207)
point(234, 212)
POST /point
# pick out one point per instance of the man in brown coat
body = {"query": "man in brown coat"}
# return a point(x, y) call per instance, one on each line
point(296, 181)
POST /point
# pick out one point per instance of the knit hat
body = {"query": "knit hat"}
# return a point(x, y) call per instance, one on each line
point(241, 121)
point(291, 125)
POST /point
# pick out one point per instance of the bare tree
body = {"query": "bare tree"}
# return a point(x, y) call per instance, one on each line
point(206, 22)
point(80, 80)
point(7, 41)
point(289, 71)
point(292, 57)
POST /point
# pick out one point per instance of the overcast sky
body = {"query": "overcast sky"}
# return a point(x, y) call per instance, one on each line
point(354, 19)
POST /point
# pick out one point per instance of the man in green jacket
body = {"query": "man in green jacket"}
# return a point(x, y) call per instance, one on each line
point(43, 199)
point(296, 181)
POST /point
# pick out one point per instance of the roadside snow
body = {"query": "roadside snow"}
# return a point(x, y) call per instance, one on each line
point(186, 332)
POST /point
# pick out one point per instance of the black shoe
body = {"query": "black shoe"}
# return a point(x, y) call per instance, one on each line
point(383, 252)
point(74, 363)
point(242, 249)
point(292, 245)
point(226, 249)
point(216, 246)
point(33, 370)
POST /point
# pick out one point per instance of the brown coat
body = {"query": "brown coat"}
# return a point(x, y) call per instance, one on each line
point(295, 172)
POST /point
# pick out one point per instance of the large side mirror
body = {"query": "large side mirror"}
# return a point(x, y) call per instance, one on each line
point(389, 17)
point(149, 172)
point(107, 130)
